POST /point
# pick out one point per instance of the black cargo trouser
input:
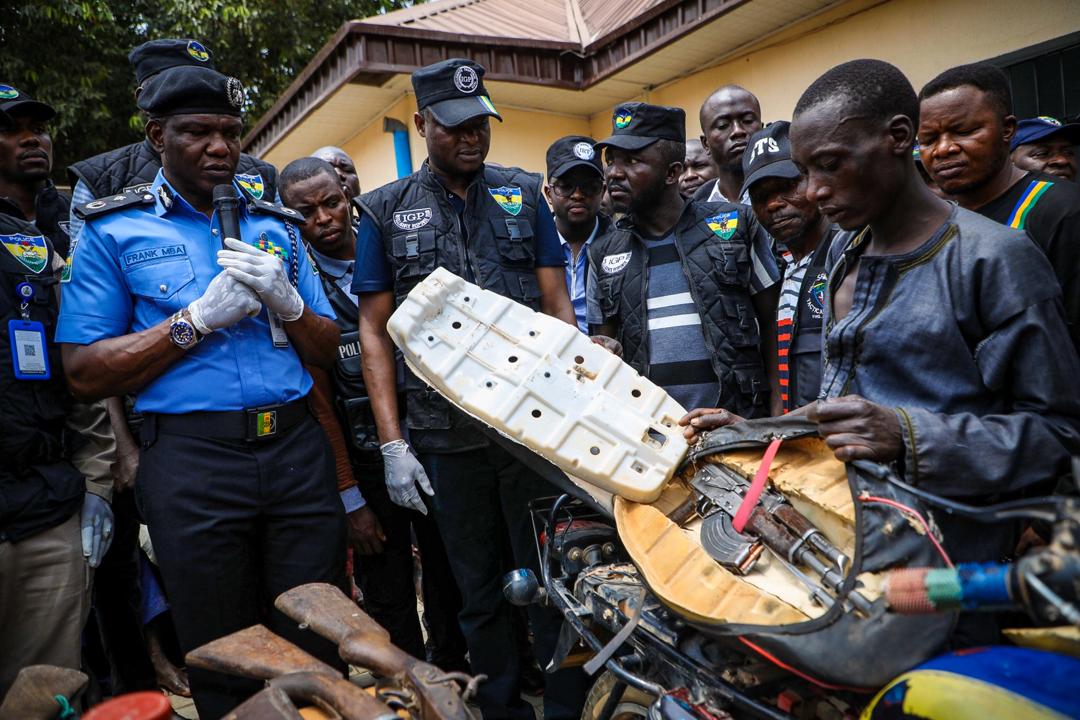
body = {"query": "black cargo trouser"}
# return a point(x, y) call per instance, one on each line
point(234, 524)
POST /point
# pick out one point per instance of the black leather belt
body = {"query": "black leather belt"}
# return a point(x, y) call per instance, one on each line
point(254, 425)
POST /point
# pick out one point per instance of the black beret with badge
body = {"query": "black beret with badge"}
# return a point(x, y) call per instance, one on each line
point(768, 154)
point(638, 125)
point(570, 152)
point(15, 103)
point(453, 90)
point(187, 90)
point(156, 56)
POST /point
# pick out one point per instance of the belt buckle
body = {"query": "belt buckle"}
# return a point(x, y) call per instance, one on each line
point(262, 423)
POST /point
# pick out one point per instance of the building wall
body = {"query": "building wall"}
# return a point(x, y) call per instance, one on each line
point(922, 37)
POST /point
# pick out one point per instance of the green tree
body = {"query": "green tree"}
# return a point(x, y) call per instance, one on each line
point(73, 55)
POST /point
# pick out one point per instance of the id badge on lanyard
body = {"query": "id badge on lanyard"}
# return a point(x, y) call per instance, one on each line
point(28, 347)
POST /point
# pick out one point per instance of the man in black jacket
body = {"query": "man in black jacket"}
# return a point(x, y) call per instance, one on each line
point(379, 530)
point(684, 285)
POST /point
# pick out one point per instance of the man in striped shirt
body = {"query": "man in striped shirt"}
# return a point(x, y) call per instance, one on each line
point(682, 284)
point(966, 126)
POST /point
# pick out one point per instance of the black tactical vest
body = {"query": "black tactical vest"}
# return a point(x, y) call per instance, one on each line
point(350, 394)
point(420, 231)
point(804, 355)
point(38, 489)
point(52, 209)
point(718, 271)
point(135, 166)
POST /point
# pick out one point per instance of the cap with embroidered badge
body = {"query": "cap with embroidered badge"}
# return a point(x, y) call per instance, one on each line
point(637, 125)
point(190, 90)
point(454, 91)
point(570, 152)
point(155, 56)
point(14, 102)
point(1032, 130)
point(768, 154)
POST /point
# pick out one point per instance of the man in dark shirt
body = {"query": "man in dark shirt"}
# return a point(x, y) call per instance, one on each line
point(965, 128)
point(943, 348)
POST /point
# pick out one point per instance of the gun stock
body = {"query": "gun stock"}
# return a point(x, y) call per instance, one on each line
point(268, 704)
point(363, 642)
point(256, 653)
point(333, 695)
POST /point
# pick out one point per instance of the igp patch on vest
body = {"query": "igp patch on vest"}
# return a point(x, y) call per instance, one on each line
point(412, 219)
point(614, 263)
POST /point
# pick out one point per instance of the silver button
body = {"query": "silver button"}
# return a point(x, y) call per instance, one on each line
point(163, 287)
point(213, 231)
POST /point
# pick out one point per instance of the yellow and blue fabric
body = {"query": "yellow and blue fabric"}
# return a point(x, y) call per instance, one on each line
point(994, 682)
point(1027, 201)
point(136, 266)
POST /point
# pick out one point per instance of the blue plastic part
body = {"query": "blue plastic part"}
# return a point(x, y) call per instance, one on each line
point(402, 153)
point(984, 584)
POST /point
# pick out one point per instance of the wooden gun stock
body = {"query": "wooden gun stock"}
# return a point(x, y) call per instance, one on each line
point(256, 653)
point(333, 695)
point(362, 641)
point(268, 704)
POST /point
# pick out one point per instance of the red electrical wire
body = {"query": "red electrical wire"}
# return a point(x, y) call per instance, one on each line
point(920, 518)
point(750, 500)
point(795, 671)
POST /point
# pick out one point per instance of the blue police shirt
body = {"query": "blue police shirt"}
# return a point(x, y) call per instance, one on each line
point(577, 272)
point(373, 273)
point(135, 267)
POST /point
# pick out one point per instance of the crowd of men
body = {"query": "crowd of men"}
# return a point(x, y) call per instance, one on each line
point(901, 267)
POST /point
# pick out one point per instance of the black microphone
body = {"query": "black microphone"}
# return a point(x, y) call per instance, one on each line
point(227, 204)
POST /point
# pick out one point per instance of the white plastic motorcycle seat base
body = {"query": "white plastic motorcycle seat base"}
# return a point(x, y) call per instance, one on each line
point(543, 383)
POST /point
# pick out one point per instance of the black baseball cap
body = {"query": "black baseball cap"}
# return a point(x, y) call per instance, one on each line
point(570, 152)
point(15, 102)
point(768, 154)
point(638, 125)
point(155, 56)
point(190, 90)
point(454, 91)
point(1035, 129)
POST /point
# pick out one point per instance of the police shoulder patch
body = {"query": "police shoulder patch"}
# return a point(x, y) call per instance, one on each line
point(30, 250)
point(724, 224)
point(268, 208)
point(252, 184)
point(103, 206)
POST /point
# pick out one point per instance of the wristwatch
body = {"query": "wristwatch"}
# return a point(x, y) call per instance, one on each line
point(182, 332)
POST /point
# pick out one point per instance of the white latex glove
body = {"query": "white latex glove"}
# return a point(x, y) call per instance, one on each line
point(265, 274)
point(226, 302)
point(403, 474)
point(96, 522)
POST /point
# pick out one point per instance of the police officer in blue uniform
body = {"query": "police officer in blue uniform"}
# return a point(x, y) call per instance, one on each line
point(236, 481)
point(490, 225)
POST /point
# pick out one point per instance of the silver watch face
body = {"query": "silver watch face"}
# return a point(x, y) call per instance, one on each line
point(182, 333)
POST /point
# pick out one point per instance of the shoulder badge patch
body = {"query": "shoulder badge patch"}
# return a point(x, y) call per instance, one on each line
point(412, 219)
point(30, 250)
point(815, 301)
point(614, 263)
point(724, 224)
point(509, 198)
point(253, 184)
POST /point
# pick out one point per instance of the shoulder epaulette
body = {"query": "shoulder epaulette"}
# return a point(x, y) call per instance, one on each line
point(102, 206)
point(268, 208)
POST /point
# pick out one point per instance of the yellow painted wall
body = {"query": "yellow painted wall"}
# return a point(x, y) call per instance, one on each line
point(921, 37)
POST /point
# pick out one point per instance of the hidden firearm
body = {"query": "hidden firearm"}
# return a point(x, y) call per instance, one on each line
point(305, 680)
point(774, 524)
point(424, 690)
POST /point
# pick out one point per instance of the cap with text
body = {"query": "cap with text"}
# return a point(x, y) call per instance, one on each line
point(571, 152)
point(1033, 130)
point(768, 155)
point(638, 125)
point(454, 91)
